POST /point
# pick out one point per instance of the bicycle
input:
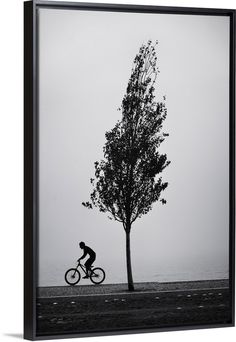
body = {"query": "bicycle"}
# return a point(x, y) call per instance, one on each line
point(73, 276)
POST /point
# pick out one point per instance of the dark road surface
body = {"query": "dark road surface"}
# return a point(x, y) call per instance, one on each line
point(87, 313)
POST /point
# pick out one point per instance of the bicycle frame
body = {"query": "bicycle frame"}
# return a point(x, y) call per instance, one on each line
point(82, 267)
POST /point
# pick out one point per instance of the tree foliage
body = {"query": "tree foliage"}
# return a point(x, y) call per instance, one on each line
point(127, 180)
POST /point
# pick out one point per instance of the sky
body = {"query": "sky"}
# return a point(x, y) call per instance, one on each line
point(85, 60)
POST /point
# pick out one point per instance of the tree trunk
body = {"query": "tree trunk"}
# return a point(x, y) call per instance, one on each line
point(128, 262)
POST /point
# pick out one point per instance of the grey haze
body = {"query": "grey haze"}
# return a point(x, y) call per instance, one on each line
point(85, 60)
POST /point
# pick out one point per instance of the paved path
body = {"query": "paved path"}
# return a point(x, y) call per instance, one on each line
point(152, 309)
point(79, 289)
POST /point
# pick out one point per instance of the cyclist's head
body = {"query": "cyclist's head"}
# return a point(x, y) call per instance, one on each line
point(82, 244)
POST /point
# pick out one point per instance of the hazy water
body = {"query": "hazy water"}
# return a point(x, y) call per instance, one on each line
point(53, 275)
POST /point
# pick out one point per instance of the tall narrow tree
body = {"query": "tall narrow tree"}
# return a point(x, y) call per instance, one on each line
point(126, 182)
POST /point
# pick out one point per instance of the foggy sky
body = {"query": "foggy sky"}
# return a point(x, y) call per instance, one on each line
point(85, 60)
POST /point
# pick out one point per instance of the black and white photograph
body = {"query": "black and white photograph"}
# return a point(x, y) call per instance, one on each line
point(134, 219)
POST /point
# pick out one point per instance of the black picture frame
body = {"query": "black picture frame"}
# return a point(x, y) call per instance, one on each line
point(31, 153)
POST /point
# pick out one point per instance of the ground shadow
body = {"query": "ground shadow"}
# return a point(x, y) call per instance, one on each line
point(15, 335)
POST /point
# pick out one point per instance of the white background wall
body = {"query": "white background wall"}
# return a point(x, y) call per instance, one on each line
point(11, 178)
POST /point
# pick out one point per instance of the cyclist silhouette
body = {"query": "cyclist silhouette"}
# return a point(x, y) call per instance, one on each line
point(90, 260)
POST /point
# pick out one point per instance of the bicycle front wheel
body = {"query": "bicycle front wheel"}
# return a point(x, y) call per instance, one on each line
point(97, 275)
point(72, 276)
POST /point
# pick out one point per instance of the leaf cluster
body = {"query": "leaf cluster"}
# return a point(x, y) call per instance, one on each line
point(127, 180)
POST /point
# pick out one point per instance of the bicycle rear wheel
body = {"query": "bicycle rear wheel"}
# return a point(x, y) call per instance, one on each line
point(72, 276)
point(97, 275)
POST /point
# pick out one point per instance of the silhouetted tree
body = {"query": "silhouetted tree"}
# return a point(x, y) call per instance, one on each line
point(126, 182)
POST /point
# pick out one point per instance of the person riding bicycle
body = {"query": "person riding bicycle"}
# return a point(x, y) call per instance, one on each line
point(90, 260)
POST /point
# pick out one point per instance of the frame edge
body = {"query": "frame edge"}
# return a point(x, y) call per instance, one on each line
point(29, 237)
point(30, 173)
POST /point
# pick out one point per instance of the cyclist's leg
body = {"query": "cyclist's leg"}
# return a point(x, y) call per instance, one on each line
point(88, 264)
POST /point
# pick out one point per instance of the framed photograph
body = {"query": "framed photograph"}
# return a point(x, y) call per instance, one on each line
point(129, 169)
